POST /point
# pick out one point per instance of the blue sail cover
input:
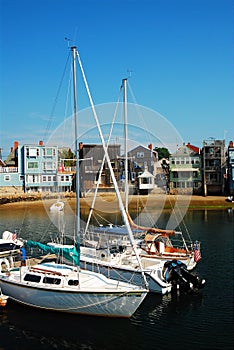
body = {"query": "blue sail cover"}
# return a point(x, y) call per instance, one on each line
point(71, 254)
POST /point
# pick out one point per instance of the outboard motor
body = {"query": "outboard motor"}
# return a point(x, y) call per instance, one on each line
point(176, 272)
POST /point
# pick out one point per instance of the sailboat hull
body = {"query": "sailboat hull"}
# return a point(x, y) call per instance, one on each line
point(108, 300)
point(127, 273)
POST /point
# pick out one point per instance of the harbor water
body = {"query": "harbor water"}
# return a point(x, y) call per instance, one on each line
point(194, 321)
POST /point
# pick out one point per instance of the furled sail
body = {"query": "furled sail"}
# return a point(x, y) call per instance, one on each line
point(71, 254)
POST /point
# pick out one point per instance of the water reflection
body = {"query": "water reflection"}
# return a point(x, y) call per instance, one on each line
point(202, 321)
point(66, 331)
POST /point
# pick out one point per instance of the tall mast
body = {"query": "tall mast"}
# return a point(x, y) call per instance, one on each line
point(77, 221)
point(121, 206)
point(124, 82)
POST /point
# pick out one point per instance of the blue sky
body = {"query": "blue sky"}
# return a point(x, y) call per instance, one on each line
point(180, 53)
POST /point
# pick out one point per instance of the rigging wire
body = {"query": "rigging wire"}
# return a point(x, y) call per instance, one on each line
point(103, 162)
point(51, 118)
point(139, 113)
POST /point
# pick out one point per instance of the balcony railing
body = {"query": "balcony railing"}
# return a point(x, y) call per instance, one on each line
point(8, 169)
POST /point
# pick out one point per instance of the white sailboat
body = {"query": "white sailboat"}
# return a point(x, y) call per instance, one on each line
point(64, 288)
point(108, 249)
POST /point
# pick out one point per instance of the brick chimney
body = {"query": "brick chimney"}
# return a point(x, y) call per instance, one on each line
point(16, 145)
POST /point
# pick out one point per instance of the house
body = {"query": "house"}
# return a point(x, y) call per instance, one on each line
point(34, 168)
point(11, 176)
point(213, 166)
point(162, 174)
point(145, 182)
point(229, 176)
point(144, 157)
point(91, 158)
point(230, 169)
point(185, 170)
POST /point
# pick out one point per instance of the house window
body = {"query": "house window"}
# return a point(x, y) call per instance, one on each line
point(44, 178)
point(7, 178)
point(49, 152)
point(49, 166)
point(145, 180)
point(32, 165)
point(32, 152)
point(140, 155)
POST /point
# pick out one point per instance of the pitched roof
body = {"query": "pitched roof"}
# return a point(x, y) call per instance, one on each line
point(193, 148)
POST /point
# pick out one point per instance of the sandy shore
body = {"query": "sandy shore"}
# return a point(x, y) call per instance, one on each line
point(108, 201)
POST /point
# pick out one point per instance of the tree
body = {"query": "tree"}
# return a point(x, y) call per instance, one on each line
point(65, 154)
point(162, 152)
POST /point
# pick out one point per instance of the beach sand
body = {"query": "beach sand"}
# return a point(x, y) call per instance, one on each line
point(108, 202)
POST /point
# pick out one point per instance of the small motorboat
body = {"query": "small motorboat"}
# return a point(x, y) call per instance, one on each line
point(9, 242)
point(57, 206)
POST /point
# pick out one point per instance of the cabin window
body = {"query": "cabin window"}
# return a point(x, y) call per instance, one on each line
point(32, 278)
point(51, 280)
point(73, 282)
